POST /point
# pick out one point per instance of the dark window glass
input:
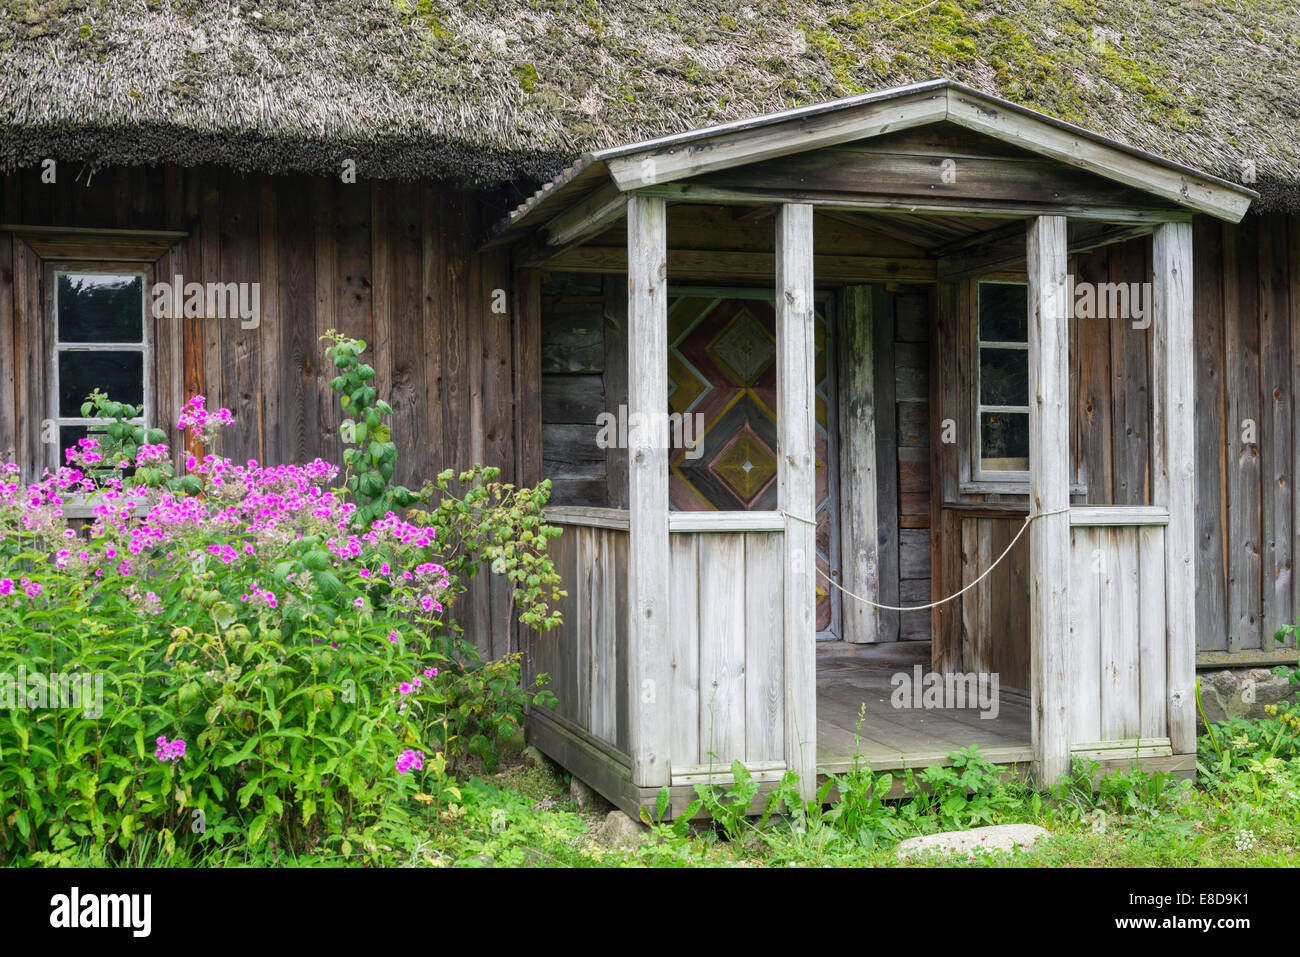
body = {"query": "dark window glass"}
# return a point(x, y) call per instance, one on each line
point(1004, 312)
point(68, 436)
point(1004, 441)
point(120, 374)
point(1004, 377)
point(94, 307)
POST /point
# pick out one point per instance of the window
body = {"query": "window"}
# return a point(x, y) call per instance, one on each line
point(100, 342)
point(1002, 381)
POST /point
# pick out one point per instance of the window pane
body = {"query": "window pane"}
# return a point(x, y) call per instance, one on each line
point(1004, 441)
point(1004, 312)
point(1004, 376)
point(120, 374)
point(95, 307)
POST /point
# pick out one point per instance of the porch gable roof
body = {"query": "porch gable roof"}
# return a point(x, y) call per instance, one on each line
point(591, 191)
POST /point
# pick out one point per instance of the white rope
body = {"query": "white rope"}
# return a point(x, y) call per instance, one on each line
point(941, 601)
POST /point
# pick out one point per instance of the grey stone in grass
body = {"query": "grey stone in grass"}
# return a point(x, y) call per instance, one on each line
point(585, 797)
point(1242, 693)
point(998, 837)
point(619, 830)
point(534, 758)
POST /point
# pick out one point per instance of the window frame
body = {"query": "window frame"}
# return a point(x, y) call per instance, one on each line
point(51, 270)
point(979, 473)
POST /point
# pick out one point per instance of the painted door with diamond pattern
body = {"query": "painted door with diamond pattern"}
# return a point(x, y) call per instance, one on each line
point(722, 368)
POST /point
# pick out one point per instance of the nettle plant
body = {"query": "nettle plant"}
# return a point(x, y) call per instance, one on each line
point(275, 669)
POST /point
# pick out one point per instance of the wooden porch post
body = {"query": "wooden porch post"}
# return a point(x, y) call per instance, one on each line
point(647, 573)
point(796, 481)
point(1049, 486)
point(1173, 466)
point(859, 534)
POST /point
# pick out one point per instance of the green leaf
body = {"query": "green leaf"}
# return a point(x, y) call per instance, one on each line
point(317, 559)
point(328, 584)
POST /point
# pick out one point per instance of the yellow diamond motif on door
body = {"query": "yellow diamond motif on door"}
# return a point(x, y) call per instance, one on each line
point(746, 465)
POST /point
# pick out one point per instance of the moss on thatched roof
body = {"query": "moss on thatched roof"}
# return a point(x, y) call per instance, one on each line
point(493, 91)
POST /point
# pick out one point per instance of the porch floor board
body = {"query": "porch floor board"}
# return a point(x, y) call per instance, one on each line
point(853, 679)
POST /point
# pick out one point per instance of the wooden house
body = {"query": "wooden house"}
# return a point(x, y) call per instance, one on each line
point(880, 350)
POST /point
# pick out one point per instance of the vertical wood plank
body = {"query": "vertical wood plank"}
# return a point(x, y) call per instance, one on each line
point(684, 638)
point(1212, 437)
point(209, 330)
point(764, 657)
point(1241, 373)
point(885, 391)
point(1173, 371)
point(1129, 392)
point(971, 601)
point(241, 382)
point(722, 648)
point(9, 403)
point(1092, 410)
point(299, 361)
point(1119, 634)
point(945, 555)
point(604, 676)
point(270, 331)
point(1085, 636)
point(434, 320)
point(1049, 481)
point(622, 659)
point(588, 584)
point(528, 376)
point(647, 340)
point(1293, 272)
point(797, 481)
point(1276, 434)
point(323, 214)
point(859, 550)
point(615, 381)
point(1152, 722)
point(29, 368)
point(498, 422)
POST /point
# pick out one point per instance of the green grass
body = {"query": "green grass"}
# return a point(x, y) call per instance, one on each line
point(1239, 813)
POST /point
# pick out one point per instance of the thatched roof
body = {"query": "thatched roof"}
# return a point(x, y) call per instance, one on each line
point(494, 91)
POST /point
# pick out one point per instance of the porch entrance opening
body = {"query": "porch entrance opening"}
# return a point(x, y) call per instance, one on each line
point(859, 692)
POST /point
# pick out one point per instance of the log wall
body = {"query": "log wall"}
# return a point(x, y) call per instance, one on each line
point(394, 264)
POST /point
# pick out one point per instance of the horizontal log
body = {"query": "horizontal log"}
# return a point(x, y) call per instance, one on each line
point(1022, 179)
point(572, 398)
point(693, 193)
point(1110, 515)
point(723, 265)
point(726, 522)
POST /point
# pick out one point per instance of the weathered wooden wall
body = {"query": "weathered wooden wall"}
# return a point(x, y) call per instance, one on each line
point(1247, 300)
point(393, 264)
point(583, 374)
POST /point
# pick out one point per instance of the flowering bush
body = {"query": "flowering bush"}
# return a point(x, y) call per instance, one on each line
point(293, 666)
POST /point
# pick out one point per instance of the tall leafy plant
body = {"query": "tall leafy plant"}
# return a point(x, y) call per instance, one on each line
point(370, 455)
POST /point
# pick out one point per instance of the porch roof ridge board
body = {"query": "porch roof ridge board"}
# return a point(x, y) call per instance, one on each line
point(668, 159)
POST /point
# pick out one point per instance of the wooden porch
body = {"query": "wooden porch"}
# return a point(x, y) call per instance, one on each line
point(855, 682)
point(690, 635)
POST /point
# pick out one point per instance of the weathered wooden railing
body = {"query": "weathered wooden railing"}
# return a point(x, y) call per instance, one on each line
point(726, 635)
point(1118, 636)
point(587, 655)
point(726, 638)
